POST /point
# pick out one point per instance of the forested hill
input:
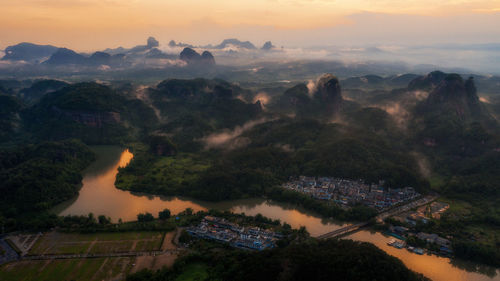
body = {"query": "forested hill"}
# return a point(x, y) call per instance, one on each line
point(36, 177)
point(91, 112)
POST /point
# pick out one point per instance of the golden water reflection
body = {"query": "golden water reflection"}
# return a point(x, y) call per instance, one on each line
point(99, 196)
point(432, 266)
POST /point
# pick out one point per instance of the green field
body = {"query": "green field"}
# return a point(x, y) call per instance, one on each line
point(167, 174)
point(196, 271)
point(76, 243)
point(73, 269)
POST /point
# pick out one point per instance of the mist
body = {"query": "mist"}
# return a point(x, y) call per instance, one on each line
point(230, 139)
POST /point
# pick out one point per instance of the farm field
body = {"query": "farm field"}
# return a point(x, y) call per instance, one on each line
point(76, 243)
point(83, 269)
point(70, 269)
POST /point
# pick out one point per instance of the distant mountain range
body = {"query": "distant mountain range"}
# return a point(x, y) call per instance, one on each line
point(53, 55)
point(29, 52)
point(119, 57)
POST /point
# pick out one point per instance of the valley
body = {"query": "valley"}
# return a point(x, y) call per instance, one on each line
point(104, 254)
point(204, 145)
point(249, 140)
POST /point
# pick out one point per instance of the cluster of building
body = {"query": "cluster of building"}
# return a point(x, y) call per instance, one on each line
point(221, 230)
point(401, 233)
point(348, 192)
point(423, 214)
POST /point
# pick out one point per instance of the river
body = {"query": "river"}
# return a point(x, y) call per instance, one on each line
point(99, 196)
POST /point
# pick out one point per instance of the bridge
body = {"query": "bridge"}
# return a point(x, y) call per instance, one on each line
point(343, 230)
point(380, 217)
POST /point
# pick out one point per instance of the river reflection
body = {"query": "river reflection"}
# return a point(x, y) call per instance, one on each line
point(432, 266)
point(99, 196)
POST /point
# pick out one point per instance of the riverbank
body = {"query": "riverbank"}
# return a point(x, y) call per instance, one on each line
point(99, 195)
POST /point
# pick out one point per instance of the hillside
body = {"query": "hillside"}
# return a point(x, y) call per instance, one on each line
point(36, 177)
point(91, 112)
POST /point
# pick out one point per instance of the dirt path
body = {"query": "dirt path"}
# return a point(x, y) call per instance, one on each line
point(177, 235)
point(142, 263)
point(134, 244)
point(167, 241)
point(100, 269)
point(90, 246)
point(167, 259)
point(44, 265)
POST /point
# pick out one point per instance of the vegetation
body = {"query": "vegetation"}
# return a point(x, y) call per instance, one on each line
point(451, 129)
point(37, 177)
point(9, 109)
point(273, 156)
point(69, 269)
point(461, 139)
point(53, 243)
point(150, 173)
point(91, 112)
point(308, 260)
point(164, 215)
point(146, 217)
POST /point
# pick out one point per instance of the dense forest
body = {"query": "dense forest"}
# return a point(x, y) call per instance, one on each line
point(36, 177)
point(94, 113)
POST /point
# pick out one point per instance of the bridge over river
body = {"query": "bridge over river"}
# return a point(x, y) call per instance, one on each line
point(380, 217)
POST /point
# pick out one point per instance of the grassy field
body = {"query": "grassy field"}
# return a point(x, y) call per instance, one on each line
point(487, 234)
point(76, 243)
point(166, 172)
point(73, 269)
point(196, 271)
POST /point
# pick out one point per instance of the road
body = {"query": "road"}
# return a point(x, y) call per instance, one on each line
point(9, 254)
point(380, 217)
point(102, 255)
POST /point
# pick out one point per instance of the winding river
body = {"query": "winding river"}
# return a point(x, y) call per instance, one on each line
point(99, 196)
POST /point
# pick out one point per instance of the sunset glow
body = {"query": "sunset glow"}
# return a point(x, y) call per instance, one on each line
point(91, 24)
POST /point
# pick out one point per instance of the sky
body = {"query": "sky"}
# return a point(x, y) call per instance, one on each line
point(87, 25)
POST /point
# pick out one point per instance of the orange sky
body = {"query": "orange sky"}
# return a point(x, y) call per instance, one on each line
point(92, 24)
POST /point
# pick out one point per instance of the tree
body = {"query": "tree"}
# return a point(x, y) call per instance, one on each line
point(164, 215)
point(145, 217)
point(91, 218)
point(104, 220)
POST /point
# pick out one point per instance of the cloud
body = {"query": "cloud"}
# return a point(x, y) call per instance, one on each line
point(263, 97)
point(161, 63)
point(484, 99)
point(104, 67)
point(64, 4)
point(311, 87)
point(230, 139)
point(399, 110)
point(9, 64)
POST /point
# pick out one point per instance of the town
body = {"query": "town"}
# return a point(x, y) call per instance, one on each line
point(349, 192)
point(221, 230)
point(416, 241)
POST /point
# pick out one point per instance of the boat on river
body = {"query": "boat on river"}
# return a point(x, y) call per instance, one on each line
point(418, 251)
